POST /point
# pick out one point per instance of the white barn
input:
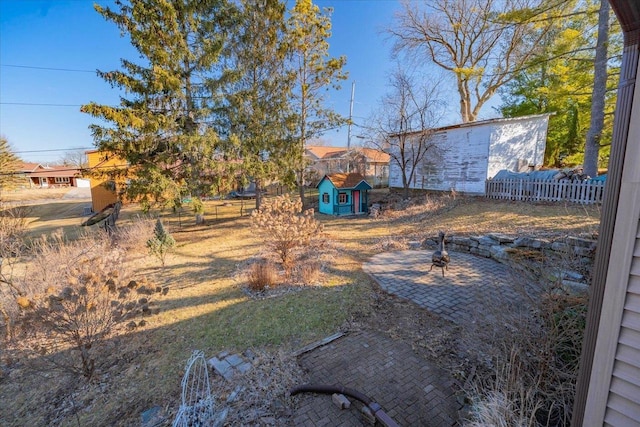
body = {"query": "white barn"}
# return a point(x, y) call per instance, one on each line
point(470, 153)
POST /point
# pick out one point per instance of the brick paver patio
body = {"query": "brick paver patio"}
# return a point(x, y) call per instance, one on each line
point(411, 390)
point(470, 285)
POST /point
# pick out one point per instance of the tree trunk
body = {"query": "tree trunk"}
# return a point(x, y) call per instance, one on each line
point(301, 190)
point(592, 144)
point(258, 193)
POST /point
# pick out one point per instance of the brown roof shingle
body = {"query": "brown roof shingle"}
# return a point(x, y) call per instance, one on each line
point(346, 180)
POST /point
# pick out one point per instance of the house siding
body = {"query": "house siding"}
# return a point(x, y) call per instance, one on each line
point(623, 404)
point(613, 397)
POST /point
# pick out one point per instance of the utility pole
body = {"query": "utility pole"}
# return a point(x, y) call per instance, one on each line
point(353, 91)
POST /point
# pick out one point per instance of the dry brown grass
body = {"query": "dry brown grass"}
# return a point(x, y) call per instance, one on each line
point(207, 308)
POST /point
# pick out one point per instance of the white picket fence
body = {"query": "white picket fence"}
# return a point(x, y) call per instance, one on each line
point(587, 192)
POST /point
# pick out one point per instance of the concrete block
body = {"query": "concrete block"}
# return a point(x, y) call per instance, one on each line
point(368, 415)
point(487, 241)
point(222, 367)
point(463, 241)
point(234, 360)
point(341, 401)
point(531, 242)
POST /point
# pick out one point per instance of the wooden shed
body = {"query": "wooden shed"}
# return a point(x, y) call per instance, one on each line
point(104, 190)
point(343, 194)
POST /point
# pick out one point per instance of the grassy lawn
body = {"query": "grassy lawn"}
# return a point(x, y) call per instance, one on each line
point(208, 307)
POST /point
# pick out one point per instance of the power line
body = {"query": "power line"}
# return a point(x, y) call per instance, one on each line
point(53, 149)
point(47, 68)
point(40, 105)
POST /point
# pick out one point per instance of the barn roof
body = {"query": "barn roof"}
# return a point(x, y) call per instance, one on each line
point(475, 124)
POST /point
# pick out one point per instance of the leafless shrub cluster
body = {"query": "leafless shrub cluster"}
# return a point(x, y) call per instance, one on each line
point(78, 293)
point(71, 296)
point(418, 208)
point(133, 236)
point(13, 225)
point(262, 275)
point(286, 230)
point(531, 353)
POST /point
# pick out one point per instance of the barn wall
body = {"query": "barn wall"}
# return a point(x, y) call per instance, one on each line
point(517, 144)
point(469, 154)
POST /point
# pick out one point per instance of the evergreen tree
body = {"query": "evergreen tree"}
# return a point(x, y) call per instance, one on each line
point(161, 127)
point(9, 167)
point(161, 243)
point(315, 72)
point(257, 110)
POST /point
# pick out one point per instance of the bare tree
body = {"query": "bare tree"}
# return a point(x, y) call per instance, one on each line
point(402, 126)
point(74, 158)
point(480, 42)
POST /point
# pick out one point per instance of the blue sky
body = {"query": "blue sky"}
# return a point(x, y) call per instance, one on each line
point(70, 35)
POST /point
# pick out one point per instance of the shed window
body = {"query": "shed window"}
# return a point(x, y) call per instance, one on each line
point(343, 198)
point(325, 197)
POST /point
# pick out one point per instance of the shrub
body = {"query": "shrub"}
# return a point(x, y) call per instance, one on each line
point(80, 293)
point(13, 225)
point(262, 275)
point(285, 228)
point(161, 243)
point(536, 354)
point(309, 273)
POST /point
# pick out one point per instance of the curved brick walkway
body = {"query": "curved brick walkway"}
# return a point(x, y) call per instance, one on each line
point(470, 285)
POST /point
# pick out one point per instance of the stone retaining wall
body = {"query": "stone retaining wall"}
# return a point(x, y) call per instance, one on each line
point(572, 255)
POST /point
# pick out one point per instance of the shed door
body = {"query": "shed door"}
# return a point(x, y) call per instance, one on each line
point(356, 201)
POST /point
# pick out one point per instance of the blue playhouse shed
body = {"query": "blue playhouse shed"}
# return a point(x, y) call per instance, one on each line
point(343, 194)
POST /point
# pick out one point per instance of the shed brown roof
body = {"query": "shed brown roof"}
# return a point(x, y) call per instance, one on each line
point(346, 180)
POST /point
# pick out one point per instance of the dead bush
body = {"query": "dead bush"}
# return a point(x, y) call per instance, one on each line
point(286, 229)
point(13, 226)
point(309, 273)
point(262, 275)
point(531, 353)
point(79, 293)
point(133, 236)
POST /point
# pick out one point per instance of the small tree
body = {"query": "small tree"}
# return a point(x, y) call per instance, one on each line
point(286, 228)
point(402, 126)
point(161, 243)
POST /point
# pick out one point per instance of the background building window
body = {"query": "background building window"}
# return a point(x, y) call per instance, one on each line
point(343, 198)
